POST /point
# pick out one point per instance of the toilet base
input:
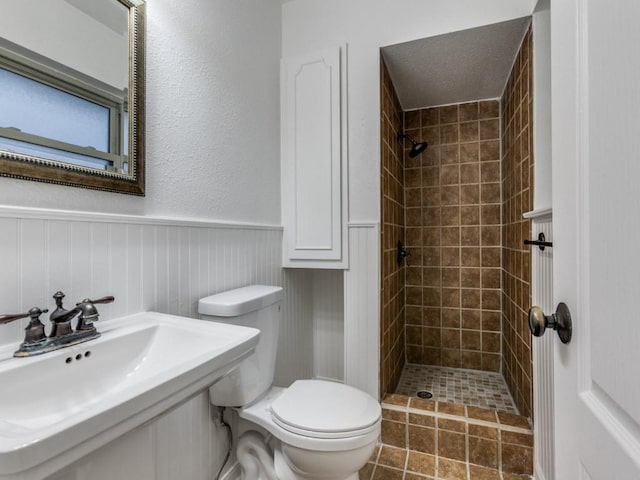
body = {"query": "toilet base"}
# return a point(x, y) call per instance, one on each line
point(284, 471)
point(255, 457)
point(259, 463)
point(290, 462)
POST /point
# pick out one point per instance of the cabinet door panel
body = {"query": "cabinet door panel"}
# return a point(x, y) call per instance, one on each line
point(312, 167)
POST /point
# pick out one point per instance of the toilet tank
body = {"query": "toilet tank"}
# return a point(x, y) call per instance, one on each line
point(257, 306)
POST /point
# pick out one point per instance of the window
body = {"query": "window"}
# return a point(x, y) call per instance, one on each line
point(43, 115)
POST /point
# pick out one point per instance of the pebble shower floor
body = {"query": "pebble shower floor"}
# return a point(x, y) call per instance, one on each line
point(454, 385)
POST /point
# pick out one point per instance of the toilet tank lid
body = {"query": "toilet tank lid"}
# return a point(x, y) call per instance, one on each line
point(233, 303)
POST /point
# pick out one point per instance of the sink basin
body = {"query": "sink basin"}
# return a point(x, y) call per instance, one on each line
point(58, 407)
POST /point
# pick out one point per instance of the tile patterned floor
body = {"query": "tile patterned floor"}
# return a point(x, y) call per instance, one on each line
point(455, 385)
point(392, 463)
point(432, 440)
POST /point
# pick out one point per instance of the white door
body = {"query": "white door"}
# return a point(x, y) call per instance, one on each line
point(596, 218)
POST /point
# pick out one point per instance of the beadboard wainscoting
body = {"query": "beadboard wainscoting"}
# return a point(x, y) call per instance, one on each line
point(295, 357)
point(542, 349)
point(328, 324)
point(311, 343)
point(164, 265)
point(362, 309)
point(337, 313)
point(146, 263)
point(181, 444)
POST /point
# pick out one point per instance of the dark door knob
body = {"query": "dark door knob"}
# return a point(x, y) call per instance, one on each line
point(559, 321)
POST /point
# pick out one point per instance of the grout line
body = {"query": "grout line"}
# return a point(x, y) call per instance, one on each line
point(500, 452)
point(406, 461)
point(447, 416)
point(467, 448)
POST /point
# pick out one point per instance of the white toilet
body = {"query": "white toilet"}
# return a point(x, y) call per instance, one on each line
point(324, 430)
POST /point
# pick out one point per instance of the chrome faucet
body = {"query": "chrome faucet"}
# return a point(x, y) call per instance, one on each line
point(62, 334)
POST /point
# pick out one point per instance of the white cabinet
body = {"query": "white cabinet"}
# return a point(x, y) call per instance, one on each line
point(314, 159)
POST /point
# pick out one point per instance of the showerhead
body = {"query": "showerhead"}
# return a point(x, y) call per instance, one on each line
point(417, 148)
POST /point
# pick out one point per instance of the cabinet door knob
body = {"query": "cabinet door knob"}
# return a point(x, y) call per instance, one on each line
point(559, 321)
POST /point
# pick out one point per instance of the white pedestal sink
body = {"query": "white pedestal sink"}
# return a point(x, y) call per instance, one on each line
point(60, 406)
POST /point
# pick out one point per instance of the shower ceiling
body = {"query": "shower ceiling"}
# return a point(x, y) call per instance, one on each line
point(456, 67)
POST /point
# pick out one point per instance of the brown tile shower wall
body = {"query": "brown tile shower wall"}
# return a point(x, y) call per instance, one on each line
point(452, 195)
point(392, 345)
point(517, 187)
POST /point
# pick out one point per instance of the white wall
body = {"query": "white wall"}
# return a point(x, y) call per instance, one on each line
point(367, 25)
point(212, 118)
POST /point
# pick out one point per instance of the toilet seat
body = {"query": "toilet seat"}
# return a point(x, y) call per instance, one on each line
point(261, 413)
point(324, 409)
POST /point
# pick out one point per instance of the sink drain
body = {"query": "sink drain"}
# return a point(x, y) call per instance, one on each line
point(424, 394)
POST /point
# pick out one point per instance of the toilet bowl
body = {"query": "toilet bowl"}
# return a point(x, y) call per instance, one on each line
point(314, 439)
point(322, 430)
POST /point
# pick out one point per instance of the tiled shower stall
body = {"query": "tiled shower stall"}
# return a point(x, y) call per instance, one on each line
point(462, 300)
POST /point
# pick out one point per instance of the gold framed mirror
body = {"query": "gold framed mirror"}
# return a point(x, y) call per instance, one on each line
point(72, 93)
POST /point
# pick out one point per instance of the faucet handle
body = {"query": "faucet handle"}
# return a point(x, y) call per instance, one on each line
point(8, 318)
point(89, 313)
point(58, 296)
point(107, 299)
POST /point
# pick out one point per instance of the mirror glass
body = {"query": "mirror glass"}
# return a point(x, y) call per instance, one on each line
point(71, 92)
